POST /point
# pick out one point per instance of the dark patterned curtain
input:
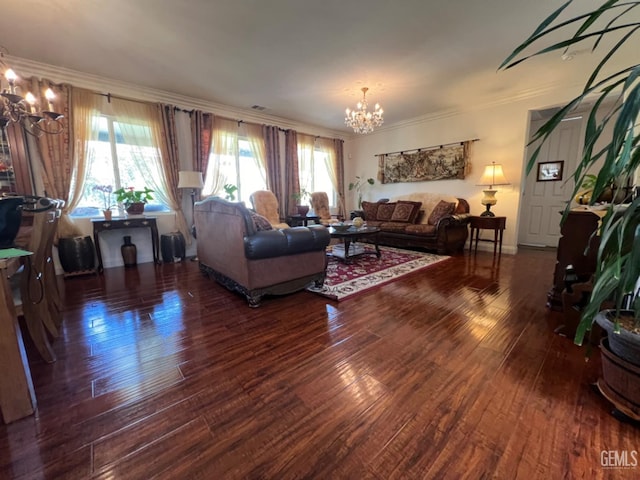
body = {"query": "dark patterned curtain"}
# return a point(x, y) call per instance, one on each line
point(272, 163)
point(201, 131)
point(171, 166)
point(292, 182)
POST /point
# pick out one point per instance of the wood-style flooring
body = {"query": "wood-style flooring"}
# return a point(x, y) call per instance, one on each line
point(452, 372)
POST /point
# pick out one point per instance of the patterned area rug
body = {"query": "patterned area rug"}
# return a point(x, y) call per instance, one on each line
point(366, 271)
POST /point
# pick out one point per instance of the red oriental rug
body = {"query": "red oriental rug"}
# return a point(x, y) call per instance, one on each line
point(367, 271)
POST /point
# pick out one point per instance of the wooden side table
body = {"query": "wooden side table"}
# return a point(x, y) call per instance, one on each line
point(497, 224)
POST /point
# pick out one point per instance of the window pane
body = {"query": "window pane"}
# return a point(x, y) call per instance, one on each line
point(125, 169)
point(251, 176)
point(321, 178)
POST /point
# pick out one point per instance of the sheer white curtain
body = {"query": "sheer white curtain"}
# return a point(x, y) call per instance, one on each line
point(306, 146)
point(134, 120)
point(85, 108)
point(224, 148)
point(327, 146)
point(253, 133)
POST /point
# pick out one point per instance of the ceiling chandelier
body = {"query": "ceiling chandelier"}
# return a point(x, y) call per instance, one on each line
point(361, 120)
point(26, 110)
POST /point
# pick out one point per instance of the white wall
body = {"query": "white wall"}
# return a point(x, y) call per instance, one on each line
point(501, 129)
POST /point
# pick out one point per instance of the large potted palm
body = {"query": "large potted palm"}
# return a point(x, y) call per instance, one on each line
point(608, 29)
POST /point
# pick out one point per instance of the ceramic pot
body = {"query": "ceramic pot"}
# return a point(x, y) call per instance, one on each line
point(108, 214)
point(624, 344)
point(76, 254)
point(136, 208)
point(129, 252)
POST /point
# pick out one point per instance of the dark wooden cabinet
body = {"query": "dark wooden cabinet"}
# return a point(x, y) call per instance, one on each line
point(576, 235)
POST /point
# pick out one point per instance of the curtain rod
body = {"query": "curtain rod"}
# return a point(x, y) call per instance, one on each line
point(428, 148)
point(110, 96)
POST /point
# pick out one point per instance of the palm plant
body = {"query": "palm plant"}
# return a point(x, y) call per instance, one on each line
point(618, 266)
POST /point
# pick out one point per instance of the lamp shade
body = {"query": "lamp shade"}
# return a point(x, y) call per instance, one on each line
point(189, 179)
point(493, 175)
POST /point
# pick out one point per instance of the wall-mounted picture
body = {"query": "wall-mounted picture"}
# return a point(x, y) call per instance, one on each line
point(550, 171)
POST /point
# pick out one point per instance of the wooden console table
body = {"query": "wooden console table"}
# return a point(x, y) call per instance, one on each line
point(120, 223)
point(17, 397)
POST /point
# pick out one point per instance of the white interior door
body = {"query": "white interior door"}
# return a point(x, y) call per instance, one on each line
point(542, 201)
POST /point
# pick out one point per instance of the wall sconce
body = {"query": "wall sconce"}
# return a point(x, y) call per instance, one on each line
point(492, 176)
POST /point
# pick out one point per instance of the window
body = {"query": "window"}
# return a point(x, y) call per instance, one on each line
point(241, 169)
point(112, 161)
point(313, 173)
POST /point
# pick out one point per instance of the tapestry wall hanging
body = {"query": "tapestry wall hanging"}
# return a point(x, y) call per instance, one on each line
point(425, 164)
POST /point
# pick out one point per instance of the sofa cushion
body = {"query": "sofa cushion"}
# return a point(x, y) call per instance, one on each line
point(385, 211)
point(441, 210)
point(406, 211)
point(370, 210)
point(261, 223)
point(395, 227)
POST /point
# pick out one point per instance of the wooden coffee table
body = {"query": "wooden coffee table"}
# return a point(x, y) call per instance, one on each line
point(352, 235)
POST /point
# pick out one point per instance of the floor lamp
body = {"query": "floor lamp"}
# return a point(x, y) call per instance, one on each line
point(192, 180)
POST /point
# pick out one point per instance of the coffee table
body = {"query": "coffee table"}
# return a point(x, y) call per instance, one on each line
point(351, 235)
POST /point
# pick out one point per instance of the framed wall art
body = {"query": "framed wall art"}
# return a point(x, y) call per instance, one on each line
point(550, 171)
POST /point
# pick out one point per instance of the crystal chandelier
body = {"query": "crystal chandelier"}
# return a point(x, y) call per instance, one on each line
point(16, 108)
point(361, 120)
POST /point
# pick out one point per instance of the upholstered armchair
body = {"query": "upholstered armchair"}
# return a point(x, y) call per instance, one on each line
point(320, 205)
point(265, 203)
point(240, 250)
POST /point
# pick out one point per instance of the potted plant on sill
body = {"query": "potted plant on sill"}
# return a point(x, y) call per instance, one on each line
point(107, 205)
point(359, 185)
point(299, 197)
point(618, 259)
point(133, 200)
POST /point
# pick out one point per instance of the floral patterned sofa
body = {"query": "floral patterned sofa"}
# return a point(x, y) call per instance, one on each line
point(421, 220)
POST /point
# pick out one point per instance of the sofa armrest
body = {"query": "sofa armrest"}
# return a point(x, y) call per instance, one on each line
point(457, 219)
point(288, 241)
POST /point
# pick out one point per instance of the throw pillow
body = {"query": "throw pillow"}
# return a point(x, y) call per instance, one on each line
point(370, 210)
point(385, 211)
point(442, 209)
point(260, 222)
point(406, 211)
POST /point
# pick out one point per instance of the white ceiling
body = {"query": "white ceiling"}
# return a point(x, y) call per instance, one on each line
point(302, 60)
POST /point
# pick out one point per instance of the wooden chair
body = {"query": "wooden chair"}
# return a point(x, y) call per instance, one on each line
point(265, 203)
point(36, 294)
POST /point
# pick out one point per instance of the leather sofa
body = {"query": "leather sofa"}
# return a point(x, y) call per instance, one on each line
point(421, 220)
point(239, 249)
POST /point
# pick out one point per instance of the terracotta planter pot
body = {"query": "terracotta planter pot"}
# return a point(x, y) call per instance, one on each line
point(136, 208)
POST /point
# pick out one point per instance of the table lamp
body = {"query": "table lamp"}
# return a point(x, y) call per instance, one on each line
point(492, 176)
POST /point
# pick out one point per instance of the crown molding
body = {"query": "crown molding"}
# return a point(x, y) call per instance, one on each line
point(136, 92)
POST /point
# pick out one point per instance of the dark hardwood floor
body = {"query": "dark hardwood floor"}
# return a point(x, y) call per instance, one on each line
point(453, 372)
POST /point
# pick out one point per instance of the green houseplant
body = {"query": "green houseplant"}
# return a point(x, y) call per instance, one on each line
point(132, 199)
point(359, 186)
point(230, 192)
point(618, 259)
